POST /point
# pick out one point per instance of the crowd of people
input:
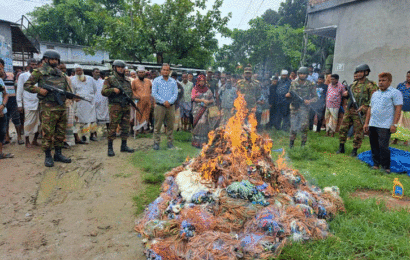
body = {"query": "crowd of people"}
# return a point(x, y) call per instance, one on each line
point(128, 103)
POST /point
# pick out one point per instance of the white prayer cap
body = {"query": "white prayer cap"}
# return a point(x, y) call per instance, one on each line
point(284, 72)
point(141, 68)
point(133, 71)
point(77, 66)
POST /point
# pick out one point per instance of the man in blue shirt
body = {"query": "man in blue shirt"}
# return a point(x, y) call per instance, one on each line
point(165, 93)
point(381, 120)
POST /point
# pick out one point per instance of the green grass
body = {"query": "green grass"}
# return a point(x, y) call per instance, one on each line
point(367, 230)
point(154, 164)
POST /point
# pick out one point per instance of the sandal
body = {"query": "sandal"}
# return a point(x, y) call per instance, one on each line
point(7, 155)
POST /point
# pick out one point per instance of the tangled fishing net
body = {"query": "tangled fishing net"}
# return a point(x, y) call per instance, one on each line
point(233, 202)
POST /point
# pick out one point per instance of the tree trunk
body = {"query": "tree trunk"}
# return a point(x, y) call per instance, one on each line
point(160, 59)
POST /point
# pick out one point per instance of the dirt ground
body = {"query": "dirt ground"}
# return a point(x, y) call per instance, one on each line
point(82, 210)
point(390, 202)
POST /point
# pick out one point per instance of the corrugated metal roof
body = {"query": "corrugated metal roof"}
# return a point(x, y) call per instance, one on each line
point(19, 40)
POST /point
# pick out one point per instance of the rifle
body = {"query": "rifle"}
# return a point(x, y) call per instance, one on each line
point(127, 100)
point(355, 105)
point(59, 93)
point(299, 100)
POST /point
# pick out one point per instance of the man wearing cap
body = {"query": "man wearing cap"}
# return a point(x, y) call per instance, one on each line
point(53, 114)
point(29, 102)
point(85, 115)
point(363, 90)
point(299, 111)
point(141, 88)
point(251, 88)
point(119, 113)
point(281, 119)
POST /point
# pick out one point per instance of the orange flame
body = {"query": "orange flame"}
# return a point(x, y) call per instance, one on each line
point(281, 162)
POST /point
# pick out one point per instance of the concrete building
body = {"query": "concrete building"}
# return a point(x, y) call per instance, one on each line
point(13, 42)
point(375, 32)
point(72, 54)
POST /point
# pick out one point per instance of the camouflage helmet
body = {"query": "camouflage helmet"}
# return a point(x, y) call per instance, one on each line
point(303, 70)
point(119, 63)
point(51, 54)
point(362, 67)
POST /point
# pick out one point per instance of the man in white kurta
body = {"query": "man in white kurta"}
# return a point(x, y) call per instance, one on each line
point(85, 114)
point(101, 102)
point(29, 102)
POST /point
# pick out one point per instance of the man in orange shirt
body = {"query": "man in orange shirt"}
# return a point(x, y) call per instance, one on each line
point(141, 88)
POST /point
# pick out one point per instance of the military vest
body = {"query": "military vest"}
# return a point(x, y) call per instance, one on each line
point(54, 77)
point(118, 82)
point(251, 89)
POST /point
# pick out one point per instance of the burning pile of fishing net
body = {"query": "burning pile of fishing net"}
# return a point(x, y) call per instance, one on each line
point(233, 202)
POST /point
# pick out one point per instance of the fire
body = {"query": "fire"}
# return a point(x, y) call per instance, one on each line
point(281, 162)
point(237, 147)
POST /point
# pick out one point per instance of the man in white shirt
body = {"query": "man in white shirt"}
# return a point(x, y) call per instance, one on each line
point(29, 102)
point(101, 102)
point(85, 114)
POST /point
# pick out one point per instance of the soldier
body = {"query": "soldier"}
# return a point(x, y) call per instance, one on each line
point(363, 89)
point(251, 88)
point(53, 115)
point(299, 112)
point(118, 115)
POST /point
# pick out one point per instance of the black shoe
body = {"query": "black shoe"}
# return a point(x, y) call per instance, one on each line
point(170, 146)
point(125, 148)
point(303, 143)
point(93, 139)
point(341, 148)
point(48, 162)
point(110, 149)
point(58, 157)
point(66, 146)
point(80, 142)
point(354, 152)
point(156, 147)
point(291, 144)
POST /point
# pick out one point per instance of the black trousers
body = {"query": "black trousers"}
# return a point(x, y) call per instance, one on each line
point(281, 120)
point(379, 143)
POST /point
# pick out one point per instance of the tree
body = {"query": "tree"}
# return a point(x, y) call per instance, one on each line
point(293, 13)
point(66, 21)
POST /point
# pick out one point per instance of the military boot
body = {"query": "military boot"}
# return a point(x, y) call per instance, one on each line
point(341, 148)
point(354, 152)
point(291, 144)
point(110, 149)
point(48, 162)
point(59, 157)
point(125, 148)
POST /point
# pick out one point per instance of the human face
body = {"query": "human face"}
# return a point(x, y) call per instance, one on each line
point(223, 79)
point(33, 65)
point(202, 83)
point(96, 74)
point(360, 75)
point(320, 81)
point(185, 78)
point(53, 62)
point(247, 75)
point(292, 75)
point(218, 76)
point(78, 71)
point(284, 76)
point(209, 74)
point(120, 70)
point(302, 76)
point(165, 71)
point(384, 83)
point(408, 78)
point(127, 72)
point(133, 75)
point(141, 74)
point(190, 77)
point(275, 82)
point(62, 67)
point(333, 81)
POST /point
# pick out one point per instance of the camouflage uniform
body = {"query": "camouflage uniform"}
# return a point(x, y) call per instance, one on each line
point(363, 93)
point(299, 113)
point(118, 115)
point(53, 115)
point(252, 90)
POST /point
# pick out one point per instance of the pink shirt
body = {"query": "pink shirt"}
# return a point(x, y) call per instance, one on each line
point(334, 95)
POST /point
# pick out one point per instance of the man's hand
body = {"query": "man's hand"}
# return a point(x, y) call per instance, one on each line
point(43, 92)
point(393, 129)
point(288, 95)
point(307, 102)
point(76, 99)
point(116, 91)
point(360, 109)
point(345, 94)
point(366, 128)
point(166, 104)
point(20, 109)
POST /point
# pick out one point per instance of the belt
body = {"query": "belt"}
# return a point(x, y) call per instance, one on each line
point(159, 104)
